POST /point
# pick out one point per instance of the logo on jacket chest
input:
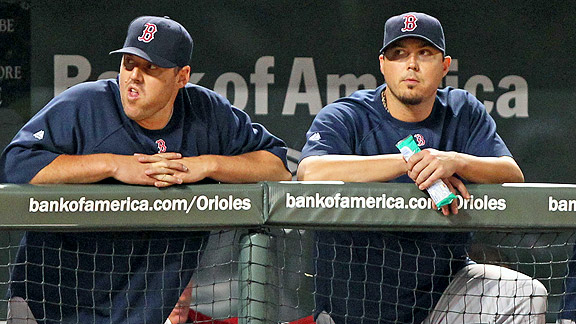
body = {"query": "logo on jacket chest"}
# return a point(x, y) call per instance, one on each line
point(161, 146)
point(419, 138)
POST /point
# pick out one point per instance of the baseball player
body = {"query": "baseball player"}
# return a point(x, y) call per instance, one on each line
point(401, 277)
point(146, 127)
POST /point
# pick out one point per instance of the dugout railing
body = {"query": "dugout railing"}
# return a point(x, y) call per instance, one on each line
point(258, 266)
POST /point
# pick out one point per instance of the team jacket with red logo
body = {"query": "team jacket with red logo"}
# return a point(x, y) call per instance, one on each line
point(392, 277)
point(131, 277)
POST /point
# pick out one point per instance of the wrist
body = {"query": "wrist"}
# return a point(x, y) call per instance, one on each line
point(461, 160)
point(199, 167)
point(110, 165)
point(209, 165)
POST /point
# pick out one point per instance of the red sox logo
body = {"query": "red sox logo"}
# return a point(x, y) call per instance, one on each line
point(419, 139)
point(148, 33)
point(409, 23)
point(161, 146)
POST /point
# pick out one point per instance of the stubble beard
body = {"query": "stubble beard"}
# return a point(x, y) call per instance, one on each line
point(408, 100)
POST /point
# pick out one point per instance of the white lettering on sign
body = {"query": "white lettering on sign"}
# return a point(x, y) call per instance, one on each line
point(70, 70)
point(10, 72)
point(510, 93)
point(562, 205)
point(513, 103)
point(261, 79)
point(7, 25)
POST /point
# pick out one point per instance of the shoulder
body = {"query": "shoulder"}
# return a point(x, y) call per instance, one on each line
point(196, 92)
point(459, 102)
point(205, 103)
point(85, 96)
point(210, 107)
point(90, 90)
point(101, 95)
point(359, 105)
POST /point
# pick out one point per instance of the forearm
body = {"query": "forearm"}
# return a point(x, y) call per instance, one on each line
point(352, 168)
point(76, 169)
point(244, 168)
point(489, 169)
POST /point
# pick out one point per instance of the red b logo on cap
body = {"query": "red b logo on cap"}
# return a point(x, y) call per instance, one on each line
point(409, 23)
point(148, 34)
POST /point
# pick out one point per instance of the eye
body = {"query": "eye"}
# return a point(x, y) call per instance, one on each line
point(426, 52)
point(396, 54)
point(129, 64)
point(153, 69)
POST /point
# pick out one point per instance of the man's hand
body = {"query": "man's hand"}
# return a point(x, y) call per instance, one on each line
point(163, 169)
point(168, 169)
point(456, 186)
point(130, 169)
point(429, 165)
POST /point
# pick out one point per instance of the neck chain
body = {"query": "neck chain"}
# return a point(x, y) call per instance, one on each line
point(384, 102)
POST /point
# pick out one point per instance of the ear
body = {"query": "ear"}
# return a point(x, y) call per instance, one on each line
point(183, 76)
point(381, 59)
point(446, 65)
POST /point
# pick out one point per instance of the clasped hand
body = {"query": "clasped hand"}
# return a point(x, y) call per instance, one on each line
point(429, 165)
point(165, 168)
point(160, 170)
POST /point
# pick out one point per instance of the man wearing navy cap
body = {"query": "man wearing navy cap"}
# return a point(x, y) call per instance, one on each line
point(147, 127)
point(408, 277)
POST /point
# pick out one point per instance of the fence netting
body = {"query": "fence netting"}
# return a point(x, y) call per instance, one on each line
point(272, 275)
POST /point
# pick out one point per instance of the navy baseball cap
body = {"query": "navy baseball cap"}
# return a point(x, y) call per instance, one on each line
point(414, 24)
point(159, 40)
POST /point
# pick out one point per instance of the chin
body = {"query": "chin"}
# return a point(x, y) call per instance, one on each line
point(131, 112)
point(411, 100)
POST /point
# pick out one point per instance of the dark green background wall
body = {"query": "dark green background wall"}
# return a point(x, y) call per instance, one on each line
point(530, 43)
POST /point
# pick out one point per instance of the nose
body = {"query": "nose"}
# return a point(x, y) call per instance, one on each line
point(136, 74)
point(413, 62)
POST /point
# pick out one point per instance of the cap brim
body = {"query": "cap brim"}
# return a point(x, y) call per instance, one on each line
point(154, 59)
point(415, 36)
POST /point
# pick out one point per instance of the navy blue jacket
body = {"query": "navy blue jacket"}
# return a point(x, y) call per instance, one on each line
point(110, 277)
point(392, 277)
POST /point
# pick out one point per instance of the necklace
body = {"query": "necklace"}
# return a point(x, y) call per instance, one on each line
point(384, 102)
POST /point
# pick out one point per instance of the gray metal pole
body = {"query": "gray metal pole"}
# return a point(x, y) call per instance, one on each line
point(255, 290)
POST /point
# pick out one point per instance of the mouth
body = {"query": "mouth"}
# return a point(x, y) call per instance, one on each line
point(411, 81)
point(133, 93)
